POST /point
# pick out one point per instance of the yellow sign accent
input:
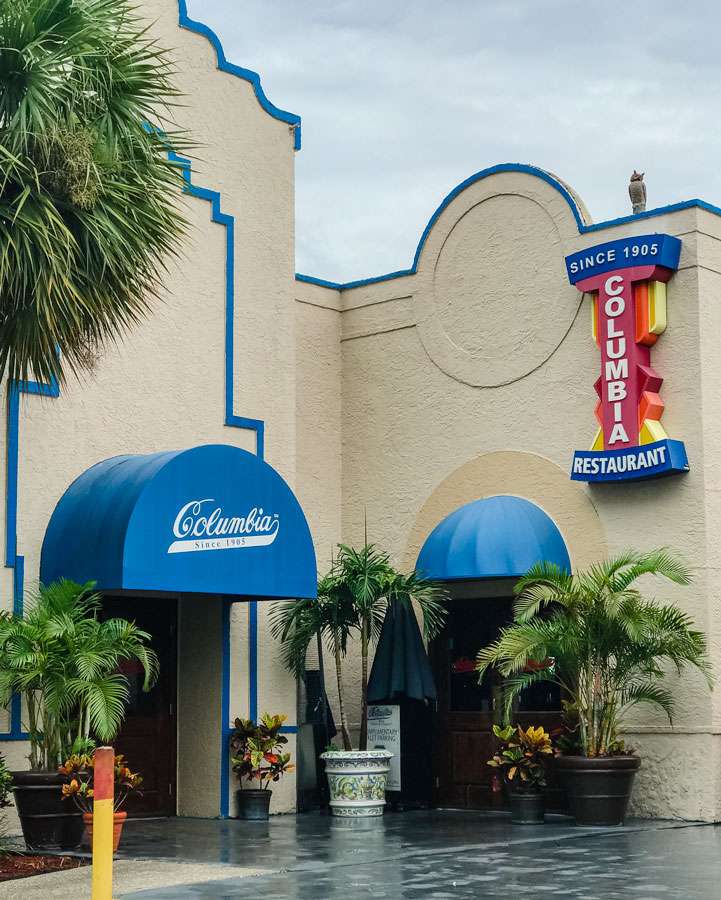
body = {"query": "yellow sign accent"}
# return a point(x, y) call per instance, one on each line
point(657, 307)
point(598, 440)
point(594, 316)
point(651, 431)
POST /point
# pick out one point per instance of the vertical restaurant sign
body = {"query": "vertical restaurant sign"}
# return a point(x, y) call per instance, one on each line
point(627, 281)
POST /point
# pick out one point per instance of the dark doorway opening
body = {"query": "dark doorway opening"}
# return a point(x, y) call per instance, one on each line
point(466, 710)
point(148, 738)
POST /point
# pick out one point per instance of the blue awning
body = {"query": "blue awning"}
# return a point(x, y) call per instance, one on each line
point(498, 537)
point(213, 519)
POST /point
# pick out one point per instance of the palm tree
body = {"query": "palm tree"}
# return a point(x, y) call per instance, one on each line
point(88, 195)
point(596, 636)
point(297, 623)
point(360, 578)
point(352, 599)
point(64, 662)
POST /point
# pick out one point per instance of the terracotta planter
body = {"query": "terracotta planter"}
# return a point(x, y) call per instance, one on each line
point(48, 821)
point(599, 788)
point(118, 822)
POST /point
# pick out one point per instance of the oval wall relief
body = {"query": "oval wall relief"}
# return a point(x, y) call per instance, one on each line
point(497, 304)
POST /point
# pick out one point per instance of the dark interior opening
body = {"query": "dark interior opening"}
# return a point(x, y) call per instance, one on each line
point(148, 738)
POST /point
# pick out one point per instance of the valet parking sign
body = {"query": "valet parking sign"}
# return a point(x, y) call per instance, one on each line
point(627, 280)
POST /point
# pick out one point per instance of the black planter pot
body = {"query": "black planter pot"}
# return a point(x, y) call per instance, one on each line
point(527, 809)
point(253, 805)
point(598, 789)
point(48, 821)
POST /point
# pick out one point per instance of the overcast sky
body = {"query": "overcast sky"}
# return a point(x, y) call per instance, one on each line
point(400, 101)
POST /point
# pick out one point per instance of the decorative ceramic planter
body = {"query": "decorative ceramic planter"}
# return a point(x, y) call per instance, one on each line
point(598, 789)
point(118, 822)
point(357, 782)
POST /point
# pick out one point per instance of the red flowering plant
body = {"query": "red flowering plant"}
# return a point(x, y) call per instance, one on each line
point(256, 749)
point(79, 770)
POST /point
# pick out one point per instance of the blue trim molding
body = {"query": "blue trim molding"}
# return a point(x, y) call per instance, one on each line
point(253, 660)
point(583, 227)
point(232, 420)
point(13, 560)
point(228, 221)
point(226, 717)
point(16, 562)
point(248, 75)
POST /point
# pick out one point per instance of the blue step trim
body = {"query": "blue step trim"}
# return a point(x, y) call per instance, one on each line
point(16, 562)
point(13, 560)
point(221, 218)
point(253, 78)
point(253, 660)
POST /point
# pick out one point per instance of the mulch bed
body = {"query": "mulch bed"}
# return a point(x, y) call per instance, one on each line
point(16, 865)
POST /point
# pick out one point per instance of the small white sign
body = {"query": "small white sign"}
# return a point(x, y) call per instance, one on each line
point(384, 733)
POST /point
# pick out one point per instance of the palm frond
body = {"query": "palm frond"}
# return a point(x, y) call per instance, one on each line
point(431, 597)
point(104, 700)
point(88, 197)
point(611, 647)
point(649, 692)
point(660, 563)
point(515, 686)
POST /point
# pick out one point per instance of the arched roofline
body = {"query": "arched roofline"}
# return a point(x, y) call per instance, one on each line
point(568, 195)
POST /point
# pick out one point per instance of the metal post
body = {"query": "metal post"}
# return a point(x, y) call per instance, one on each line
point(103, 802)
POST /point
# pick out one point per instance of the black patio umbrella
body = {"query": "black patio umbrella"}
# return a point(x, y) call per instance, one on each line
point(400, 667)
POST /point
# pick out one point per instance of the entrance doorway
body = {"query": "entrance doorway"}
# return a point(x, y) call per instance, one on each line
point(467, 710)
point(148, 737)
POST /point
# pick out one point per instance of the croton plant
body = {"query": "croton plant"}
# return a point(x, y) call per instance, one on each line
point(256, 749)
point(522, 756)
point(80, 768)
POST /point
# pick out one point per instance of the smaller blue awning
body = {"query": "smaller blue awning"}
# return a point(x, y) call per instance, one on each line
point(214, 519)
point(497, 537)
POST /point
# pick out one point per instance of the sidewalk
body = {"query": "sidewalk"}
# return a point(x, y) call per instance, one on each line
point(426, 854)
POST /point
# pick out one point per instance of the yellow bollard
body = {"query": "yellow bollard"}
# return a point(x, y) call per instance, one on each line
point(103, 800)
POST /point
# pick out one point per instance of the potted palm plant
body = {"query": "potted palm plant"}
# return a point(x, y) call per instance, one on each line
point(352, 601)
point(63, 662)
point(257, 756)
point(522, 756)
point(79, 770)
point(607, 647)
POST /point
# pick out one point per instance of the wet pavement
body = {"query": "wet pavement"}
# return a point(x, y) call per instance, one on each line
point(434, 854)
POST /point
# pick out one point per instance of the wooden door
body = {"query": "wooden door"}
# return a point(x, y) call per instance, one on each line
point(466, 710)
point(148, 736)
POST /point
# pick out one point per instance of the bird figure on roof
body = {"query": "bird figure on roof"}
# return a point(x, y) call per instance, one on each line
point(637, 192)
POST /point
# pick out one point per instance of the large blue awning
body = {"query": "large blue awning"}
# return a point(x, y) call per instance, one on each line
point(498, 537)
point(214, 520)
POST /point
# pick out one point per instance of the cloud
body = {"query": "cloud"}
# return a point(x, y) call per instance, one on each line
point(401, 102)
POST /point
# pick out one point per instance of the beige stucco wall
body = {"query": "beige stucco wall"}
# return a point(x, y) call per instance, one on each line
point(395, 402)
point(475, 376)
point(163, 387)
point(199, 719)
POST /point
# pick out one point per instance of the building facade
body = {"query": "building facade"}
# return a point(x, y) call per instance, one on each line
point(400, 398)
